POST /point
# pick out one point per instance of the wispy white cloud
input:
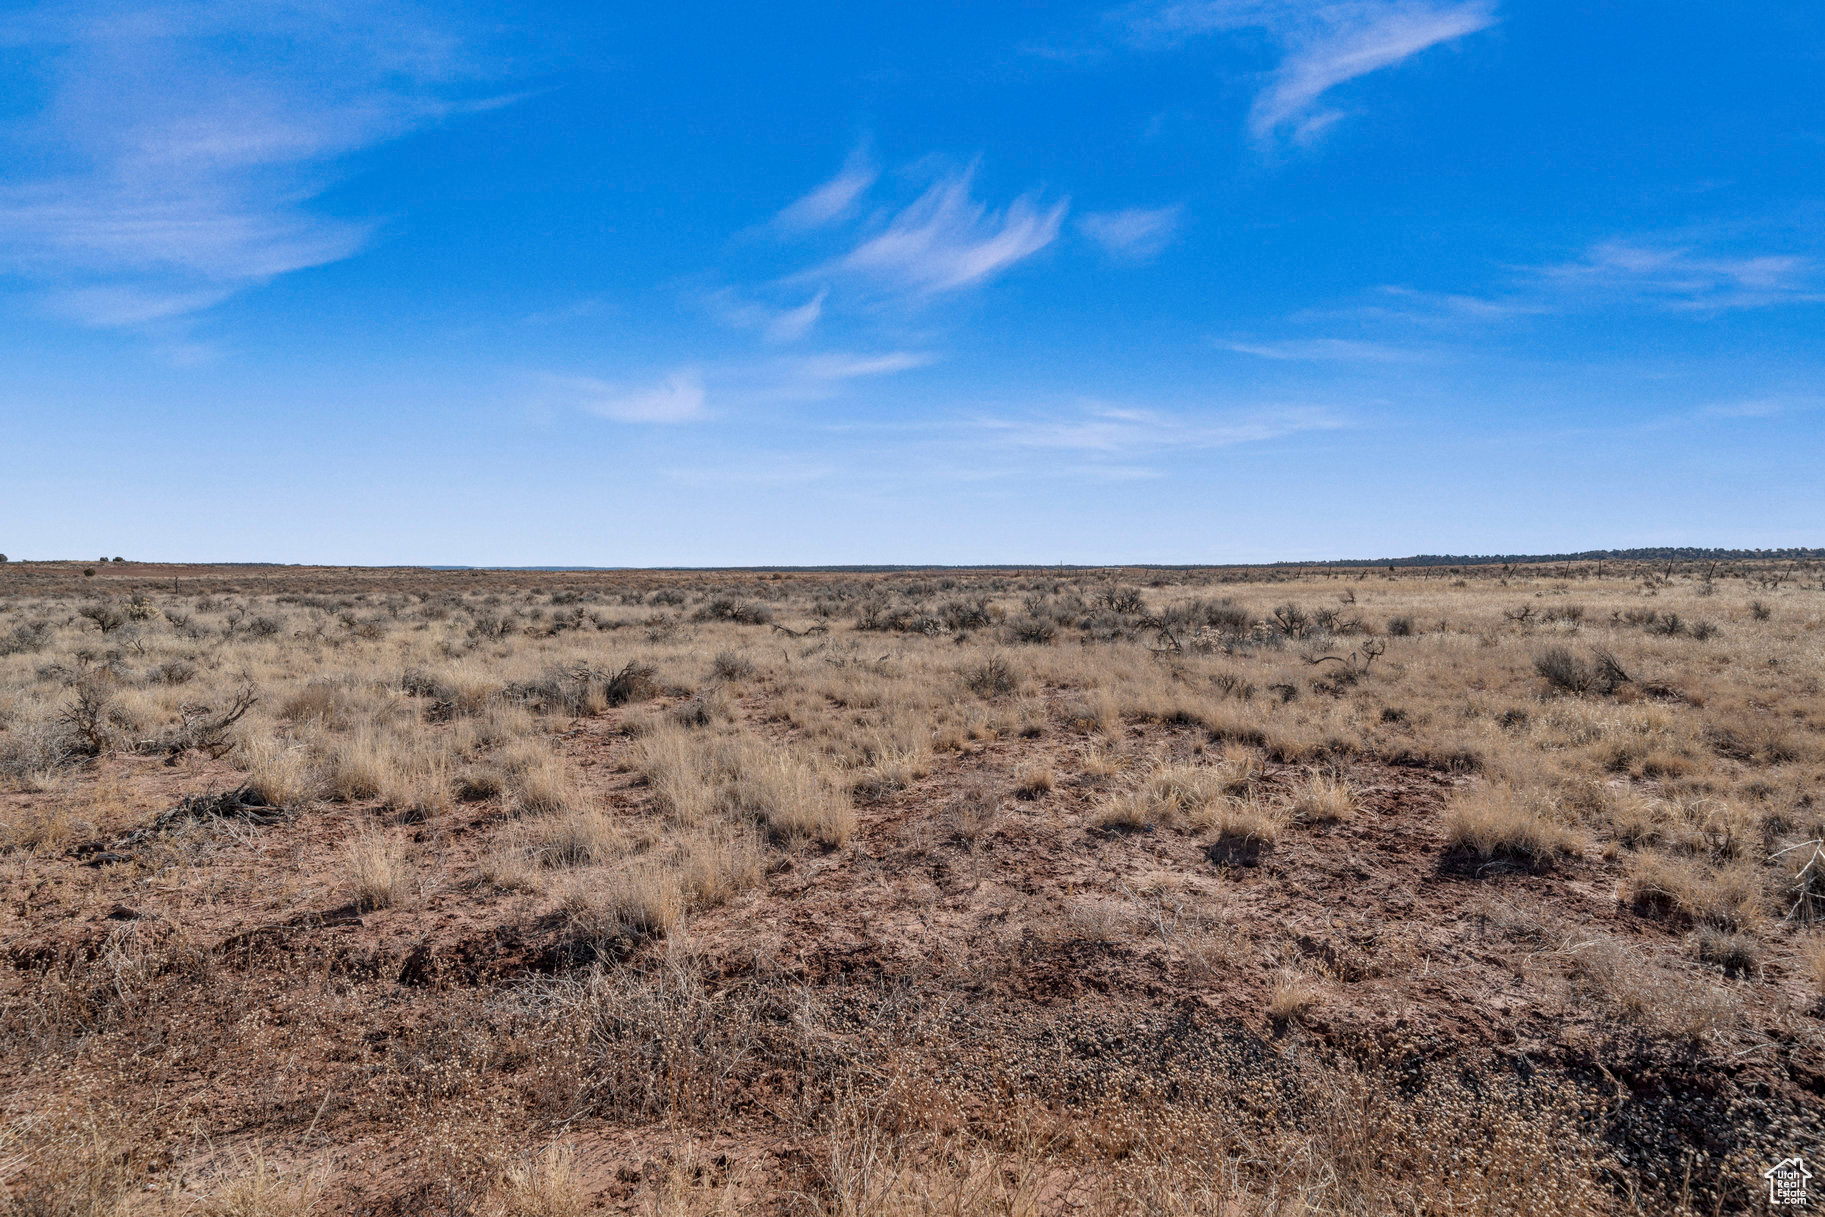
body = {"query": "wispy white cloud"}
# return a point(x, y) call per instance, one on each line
point(1449, 307)
point(839, 366)
point(1323, 350)
point(836, 199)
point(1684, 278)
point(1119, 430)
point(679, 398)
point(945, 240)
point(775, 322)
point(1322, 44)
point(174, 159)
point(1133, 234)
point(791, 324)
point(1692, 274)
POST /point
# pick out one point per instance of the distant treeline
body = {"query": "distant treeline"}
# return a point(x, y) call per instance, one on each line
point(1668, 553)
point(1665, 553)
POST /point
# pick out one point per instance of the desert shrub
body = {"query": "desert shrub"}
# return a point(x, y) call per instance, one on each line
point(1032, 631)
point(1126, 600)
point(1736, 954)
point(1224, 616)
point(1400, 627)
point(1565, 672)
point(172, 672)
point(994, 677)
point(419, 682)
point(1291, 621)
point(971, 814)
point(36, 746)
point(26, 638)
point(584, 689)
point(104, 615)
point(728, 608)
point(728, 665)
point(1617, 981)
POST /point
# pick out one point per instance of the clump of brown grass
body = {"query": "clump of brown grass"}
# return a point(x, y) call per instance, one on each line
point(643, 901)
point(1249, 819)
point(540, 784)
point(1170, 796)
point(579, 836)
point(972, 815)
point(278, 773)
point(375, 870)
point(1812, 963)
point(259, 1189)
point(674, 764)
point(1323, 799)
point(1034, 780)
point(510, 862)
point(1734, 953)
point(1293, 996)
point(356, 767)
point(546, 1186)
point(718, 865)
point(61, 1165)
point(1690, 890)
point(793, 798)
point(1621, 983)
point(1498, 821)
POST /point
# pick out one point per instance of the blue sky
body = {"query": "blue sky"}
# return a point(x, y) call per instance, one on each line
point(1217, 280)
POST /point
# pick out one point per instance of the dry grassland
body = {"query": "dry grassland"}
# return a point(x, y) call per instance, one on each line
point(1416, 891)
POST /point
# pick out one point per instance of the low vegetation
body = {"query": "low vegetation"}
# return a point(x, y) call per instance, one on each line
point(1491, 889)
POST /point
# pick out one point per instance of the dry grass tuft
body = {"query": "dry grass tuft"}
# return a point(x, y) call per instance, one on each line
point(793, 798)
point(1294, 994)
point(279, 773)
point(1812, 963)
point(1322, 799)
point(579, 836)
point(375, 870)
point(1034, 781)
point(544, 787)
point(1495, 821)
point(1691, 891)
point(547, 1186)
point(259, 1189)
point(717, 866)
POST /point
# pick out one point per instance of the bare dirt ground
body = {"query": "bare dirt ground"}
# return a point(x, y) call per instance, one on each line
point(824, 914)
